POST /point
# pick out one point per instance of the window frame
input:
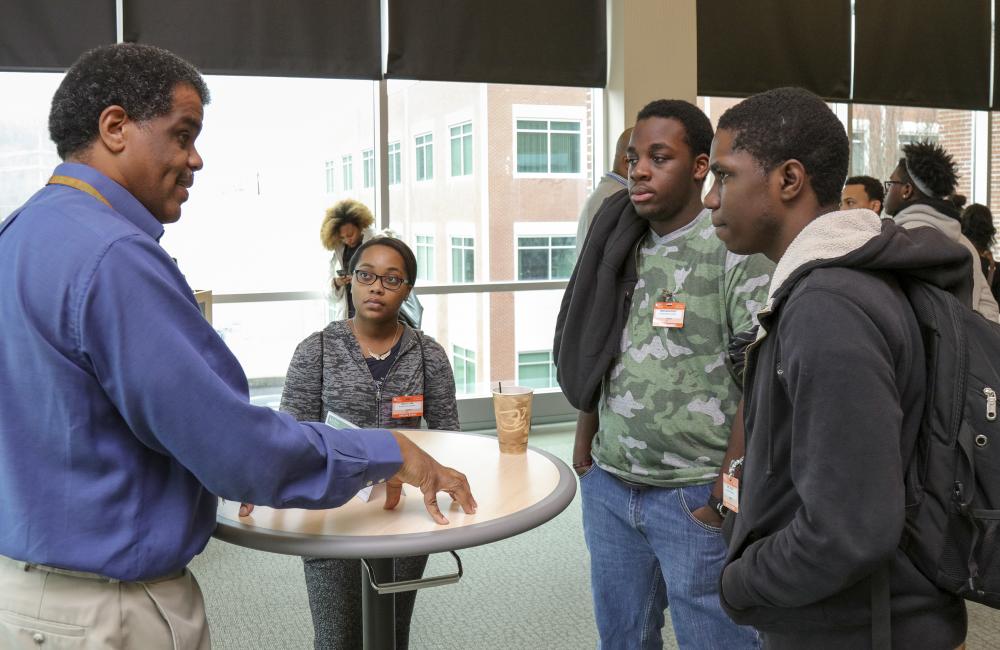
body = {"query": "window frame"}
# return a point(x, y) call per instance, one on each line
point(550, 365)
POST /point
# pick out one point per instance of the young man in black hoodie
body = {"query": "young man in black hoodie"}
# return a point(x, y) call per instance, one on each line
point(834, 389)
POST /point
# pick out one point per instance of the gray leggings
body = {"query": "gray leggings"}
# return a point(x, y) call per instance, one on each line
point(334, 588)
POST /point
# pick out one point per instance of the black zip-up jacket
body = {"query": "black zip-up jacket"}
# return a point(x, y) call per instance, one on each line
point(834, 394)
point(596, 302)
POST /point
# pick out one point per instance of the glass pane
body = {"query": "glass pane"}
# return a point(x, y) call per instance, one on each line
point(533, 264)
point(470, 266)
point(493, 133)
point(276, 188)
point(564, 241)
point(887, 129)
point(467, 153)
point(532, 124)
point(563, 261)
point(27, 156)
point(456, 156)
point(565, 153)
point(533, 241)
point(534, 357)
point(532, 153)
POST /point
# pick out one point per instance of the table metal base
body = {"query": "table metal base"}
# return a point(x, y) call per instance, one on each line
point(378, 611)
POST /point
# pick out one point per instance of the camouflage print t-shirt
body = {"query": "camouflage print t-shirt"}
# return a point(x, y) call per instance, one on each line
point(667, 402)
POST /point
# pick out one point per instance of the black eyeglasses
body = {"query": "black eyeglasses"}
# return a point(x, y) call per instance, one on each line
point(889, 183)
point(389, 282)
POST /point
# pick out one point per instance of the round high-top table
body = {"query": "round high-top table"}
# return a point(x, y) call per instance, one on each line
point(514, 493)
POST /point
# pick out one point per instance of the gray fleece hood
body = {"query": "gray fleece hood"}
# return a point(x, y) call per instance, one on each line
point(859, 239)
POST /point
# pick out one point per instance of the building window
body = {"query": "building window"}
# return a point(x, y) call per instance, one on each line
point(461, 149)
point(463, 259)
point(331, 171)
point(536, 369)
point(395, 165)
point(464, 363)
point(548, 147)
point(348, 162)
point(425, 157)
point(545, 258)
point(368, 167)
point(425, 257)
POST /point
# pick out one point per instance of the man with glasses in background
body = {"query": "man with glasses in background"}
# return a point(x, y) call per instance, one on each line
point(916, 195)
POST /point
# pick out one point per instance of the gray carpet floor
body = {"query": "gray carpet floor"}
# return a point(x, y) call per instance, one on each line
point(531, 591)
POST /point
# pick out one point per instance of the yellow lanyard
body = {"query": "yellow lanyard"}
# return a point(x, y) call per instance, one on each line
point(76, 183)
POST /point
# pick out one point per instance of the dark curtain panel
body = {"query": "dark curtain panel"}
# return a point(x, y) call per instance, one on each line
point(49, 35)
point(748, 46)
point(549, 42)
point(292, 38)
point(922, 53)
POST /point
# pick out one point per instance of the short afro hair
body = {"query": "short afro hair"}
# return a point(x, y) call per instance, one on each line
point(932, 165)
point(787, 123)
point(697, 128)
point(873, 187)
point(139, 78)
point(977, 225)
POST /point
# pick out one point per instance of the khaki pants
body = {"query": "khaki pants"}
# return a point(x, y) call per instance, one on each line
point(46, 609)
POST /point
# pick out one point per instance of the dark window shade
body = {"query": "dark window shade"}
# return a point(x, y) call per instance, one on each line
point(49, 35)
point(745, 47)
point(293, 38)
point(922, 53)
point(548, 42)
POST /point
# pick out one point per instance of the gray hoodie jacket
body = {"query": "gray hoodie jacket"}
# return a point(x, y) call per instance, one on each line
point(922, 214)
point(328, 373)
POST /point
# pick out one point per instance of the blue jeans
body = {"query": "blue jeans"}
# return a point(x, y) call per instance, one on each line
point(647, 550)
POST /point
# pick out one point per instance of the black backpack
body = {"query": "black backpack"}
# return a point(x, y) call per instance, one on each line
point(953, 481)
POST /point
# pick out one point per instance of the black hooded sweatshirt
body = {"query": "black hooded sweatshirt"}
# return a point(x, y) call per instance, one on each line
point(834, 393)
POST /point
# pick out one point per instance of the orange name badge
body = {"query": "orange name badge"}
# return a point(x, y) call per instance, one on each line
point(731, 492)
point(408, 406)
point(668, 314)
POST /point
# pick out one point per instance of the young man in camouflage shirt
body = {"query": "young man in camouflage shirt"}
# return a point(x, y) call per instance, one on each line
point(667, 411)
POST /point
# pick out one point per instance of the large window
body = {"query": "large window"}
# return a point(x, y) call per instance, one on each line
point(461, 149)
point(548, 147)
point(463, 259)
point(348, 162)
point(546, 257)
point(425, 257)
point(536, 369)
point(425, 156)
point(395, 164)
point(368, 167)
point(464, 362)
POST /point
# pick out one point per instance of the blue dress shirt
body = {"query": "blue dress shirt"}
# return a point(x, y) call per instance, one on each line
point(122, 412)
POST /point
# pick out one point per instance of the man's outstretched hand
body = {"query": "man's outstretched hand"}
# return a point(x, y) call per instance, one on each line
point(431, 477)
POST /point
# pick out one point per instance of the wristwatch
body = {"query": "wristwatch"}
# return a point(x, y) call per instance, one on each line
point(715, 503)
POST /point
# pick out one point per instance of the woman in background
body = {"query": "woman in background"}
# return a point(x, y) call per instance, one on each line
point(345, 227)
point(355, 368)
point(977, 226)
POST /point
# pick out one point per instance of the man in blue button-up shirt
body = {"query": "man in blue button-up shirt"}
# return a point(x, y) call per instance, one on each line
point(122, 414)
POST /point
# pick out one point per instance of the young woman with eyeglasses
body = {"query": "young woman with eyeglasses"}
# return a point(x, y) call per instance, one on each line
point(375, 372)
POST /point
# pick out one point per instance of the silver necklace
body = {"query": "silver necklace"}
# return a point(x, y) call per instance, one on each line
point(372, 353)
